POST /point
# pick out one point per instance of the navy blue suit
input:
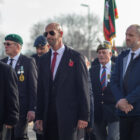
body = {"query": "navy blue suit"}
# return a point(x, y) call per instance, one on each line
point(129, 122)
point(133, 87)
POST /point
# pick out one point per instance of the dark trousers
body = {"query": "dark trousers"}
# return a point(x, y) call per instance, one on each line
point(130, 128)
point(106, 130)
point(0, 135)
point(39, 136)
point(51, 133)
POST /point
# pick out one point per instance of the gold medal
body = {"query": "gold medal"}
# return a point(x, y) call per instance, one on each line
point(21, 78)
point(108, 76)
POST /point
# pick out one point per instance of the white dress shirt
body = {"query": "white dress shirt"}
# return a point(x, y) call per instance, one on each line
point(15, 59)
point(60, 52)
point(108, 72)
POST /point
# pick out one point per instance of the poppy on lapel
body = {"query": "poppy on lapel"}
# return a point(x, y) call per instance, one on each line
point(71, 63)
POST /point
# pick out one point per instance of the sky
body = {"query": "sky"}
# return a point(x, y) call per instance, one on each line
point(18, 16)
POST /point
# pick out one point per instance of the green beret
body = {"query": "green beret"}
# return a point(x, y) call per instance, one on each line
point(15, 38)
point(105, 45)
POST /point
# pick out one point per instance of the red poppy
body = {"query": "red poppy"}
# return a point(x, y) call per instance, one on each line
point(71, 63)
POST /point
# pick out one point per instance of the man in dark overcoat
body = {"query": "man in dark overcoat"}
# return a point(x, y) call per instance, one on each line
point(63, 94)
point(9, 102)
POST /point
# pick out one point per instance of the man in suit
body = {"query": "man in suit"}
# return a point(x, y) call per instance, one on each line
point(125, 83)
point(41, 46)
point(25, 68)
point(63, 94)
point(106, 125)
point(9, 103)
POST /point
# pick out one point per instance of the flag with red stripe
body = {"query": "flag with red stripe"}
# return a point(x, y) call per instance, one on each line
point(110, 14)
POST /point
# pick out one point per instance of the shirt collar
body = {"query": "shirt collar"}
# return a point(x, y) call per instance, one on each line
point(106, 65)
point(60, 50)
point(15, 57)
point(137, 52)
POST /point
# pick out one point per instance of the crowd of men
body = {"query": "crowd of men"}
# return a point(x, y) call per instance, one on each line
point(64, 97)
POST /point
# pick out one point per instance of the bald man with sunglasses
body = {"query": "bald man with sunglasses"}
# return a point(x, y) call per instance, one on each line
point(63, 93)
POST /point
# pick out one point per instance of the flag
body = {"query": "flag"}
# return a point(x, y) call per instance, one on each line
point(110, 14)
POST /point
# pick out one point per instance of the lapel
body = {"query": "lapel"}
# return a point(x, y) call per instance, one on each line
point(97, 74)
point(124, 64)
point(19, 63)
point(47, 64)
point(5, 60)
point(62, 68)
point(108, 78)
point(138, 57)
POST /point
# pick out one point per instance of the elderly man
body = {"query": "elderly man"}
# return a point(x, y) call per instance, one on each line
point(106, 125)
point(9, 102)
point(25, 68)
point(125, 83)
point(63, 94)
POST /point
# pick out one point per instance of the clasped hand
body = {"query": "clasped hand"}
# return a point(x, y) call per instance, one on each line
point(123, 105)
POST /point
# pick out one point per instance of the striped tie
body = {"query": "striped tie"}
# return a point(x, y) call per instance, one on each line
point(103, 78)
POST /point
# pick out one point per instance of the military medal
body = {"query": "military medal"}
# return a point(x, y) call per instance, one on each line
point(21, 78)
point(21, 72)
point(108, 77)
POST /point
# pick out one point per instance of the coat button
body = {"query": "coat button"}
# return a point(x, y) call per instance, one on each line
point(102, 102)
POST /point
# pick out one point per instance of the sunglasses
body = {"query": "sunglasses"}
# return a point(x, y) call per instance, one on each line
point(52, 33)
point(8, 44)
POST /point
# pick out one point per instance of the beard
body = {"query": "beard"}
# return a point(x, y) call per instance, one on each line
point(51, 42)
point(132, 45)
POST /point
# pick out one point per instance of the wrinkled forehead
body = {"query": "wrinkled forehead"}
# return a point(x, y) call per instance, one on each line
point(53, 26)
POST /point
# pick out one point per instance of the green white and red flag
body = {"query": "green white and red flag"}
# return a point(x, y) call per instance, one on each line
point(110, 14)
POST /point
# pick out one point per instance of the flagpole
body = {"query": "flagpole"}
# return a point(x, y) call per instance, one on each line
point(88, 46)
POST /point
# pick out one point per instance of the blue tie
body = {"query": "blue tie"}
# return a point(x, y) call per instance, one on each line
point(103, 78)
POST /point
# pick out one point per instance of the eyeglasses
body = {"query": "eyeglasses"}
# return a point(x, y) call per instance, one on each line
point(52, 33)
point(8, 44)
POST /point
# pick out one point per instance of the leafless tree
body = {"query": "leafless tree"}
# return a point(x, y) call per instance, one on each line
point(78, 32)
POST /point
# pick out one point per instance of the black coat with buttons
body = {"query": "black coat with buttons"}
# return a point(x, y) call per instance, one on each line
point(104, 101)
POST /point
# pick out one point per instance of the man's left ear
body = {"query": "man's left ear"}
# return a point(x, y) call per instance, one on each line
point(61, 33)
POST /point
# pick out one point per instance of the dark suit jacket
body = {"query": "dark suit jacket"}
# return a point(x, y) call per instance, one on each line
point(71, 91)
point(133, 83)
point(28, 87)
point(36, 57)
point(9, 103)
point(104, 101)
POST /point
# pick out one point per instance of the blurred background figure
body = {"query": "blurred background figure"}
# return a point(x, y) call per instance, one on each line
point(88, 131)
point(42, 47)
